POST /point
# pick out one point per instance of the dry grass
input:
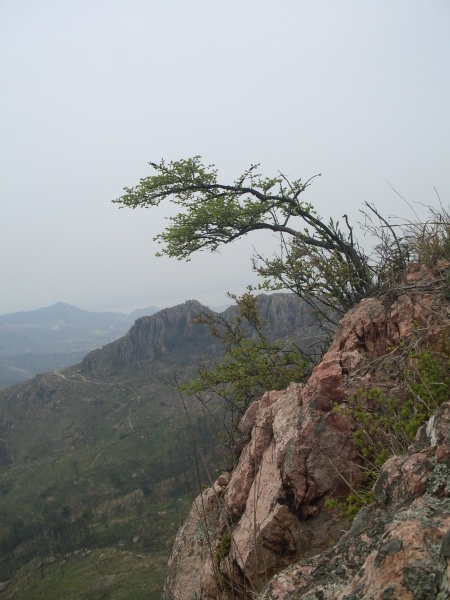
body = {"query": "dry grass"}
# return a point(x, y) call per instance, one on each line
point(429, 242)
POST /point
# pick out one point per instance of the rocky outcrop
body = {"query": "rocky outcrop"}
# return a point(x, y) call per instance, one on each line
point(172, 330)
point(398, 547)
point(285, 316)
point(271, 511)
point(149, 339)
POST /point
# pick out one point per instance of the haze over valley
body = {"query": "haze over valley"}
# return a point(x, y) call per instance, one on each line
point(294, 150)
point(341, 88)
point(55, 337)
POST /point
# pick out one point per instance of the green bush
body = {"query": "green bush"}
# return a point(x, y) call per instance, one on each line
point(387, 424)
point(224, 548)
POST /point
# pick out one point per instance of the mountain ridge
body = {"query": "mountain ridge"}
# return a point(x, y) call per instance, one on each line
point(64, 310)
point(55, 337)
point(157, 335)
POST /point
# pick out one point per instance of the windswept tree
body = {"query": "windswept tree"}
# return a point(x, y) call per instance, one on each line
point(319, 261)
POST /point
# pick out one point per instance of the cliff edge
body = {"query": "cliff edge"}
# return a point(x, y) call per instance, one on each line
point(268, 529)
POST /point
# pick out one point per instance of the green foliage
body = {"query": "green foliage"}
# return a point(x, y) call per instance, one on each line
point(329, 283)
point(115, 467)
point(251, 365)
point(323, 264)
point(353, 503)
point(321, 261)
point(387, 424)
point(429, 380)
point(212, 213)
point(105, 573)
point(224, 548)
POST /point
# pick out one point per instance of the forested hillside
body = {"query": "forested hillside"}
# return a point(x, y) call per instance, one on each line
point(101, 460)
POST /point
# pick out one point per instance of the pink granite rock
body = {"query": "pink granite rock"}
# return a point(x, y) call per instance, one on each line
point(399, 547)
point(269, 523)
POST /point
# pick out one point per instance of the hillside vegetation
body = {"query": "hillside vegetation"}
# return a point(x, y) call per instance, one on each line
point(309, 455)
point(98, 459)
point(367, 436)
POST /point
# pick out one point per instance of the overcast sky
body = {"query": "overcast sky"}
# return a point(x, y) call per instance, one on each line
point(91, 90)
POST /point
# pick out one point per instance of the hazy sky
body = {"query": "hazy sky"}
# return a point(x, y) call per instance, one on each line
point(91, 90)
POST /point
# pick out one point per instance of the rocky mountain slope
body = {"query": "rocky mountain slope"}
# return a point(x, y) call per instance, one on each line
point(97, 458)
point(172, 331)
point(274, 528)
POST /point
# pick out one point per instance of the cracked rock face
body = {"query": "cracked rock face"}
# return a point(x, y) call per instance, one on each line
point(272, 505)
point(266, 529)
point(397, 548)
